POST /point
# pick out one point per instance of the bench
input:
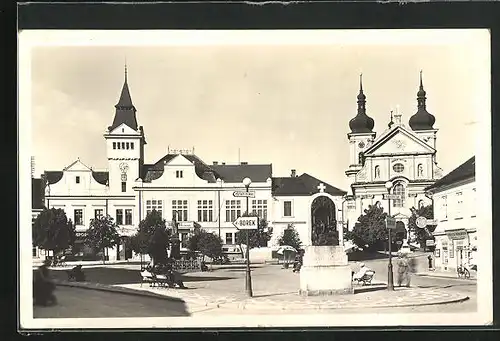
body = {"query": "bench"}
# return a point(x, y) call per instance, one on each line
point(366, 279)
point(148, 277)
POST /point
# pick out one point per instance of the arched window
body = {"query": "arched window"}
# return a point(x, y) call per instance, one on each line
point(377, 172)
point(399, 190)
point(420, 203)
point(420, 170)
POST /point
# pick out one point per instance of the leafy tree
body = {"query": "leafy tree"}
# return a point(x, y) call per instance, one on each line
point(207, 243)
point(421, 235)
point(325, 234)
point(290, 237)
point(53, 231)
point(102, 234)
point(256, 238)
point(152, 238)
point(370, 232)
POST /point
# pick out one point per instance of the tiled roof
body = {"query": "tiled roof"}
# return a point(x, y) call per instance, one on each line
point(37, 194)
point(302, 185)
point(53, 177)
point(464, 171)
point(236, 173)
point(101, 177)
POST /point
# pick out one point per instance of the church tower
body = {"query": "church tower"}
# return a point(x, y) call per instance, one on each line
point(361, 135)
point(422, 122)
point(125, 145)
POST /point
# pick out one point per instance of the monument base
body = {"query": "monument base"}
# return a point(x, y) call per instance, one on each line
point(325, 271)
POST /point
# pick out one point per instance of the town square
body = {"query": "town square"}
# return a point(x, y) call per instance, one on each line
point(345, 180)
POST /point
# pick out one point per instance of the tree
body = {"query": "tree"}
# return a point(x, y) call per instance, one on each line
point(421, 235)
point(53, 231)
point(290, 237)
point(325, 234)
point(256, 238)
point(152, 238)
point(207, 243)
point(370, 232)
point(102, 234)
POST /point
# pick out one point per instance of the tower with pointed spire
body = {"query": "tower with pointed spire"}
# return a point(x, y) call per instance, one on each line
point(422, 122)
point(361, 135)
point(125, 144)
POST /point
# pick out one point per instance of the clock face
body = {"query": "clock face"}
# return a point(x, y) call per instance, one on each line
point(361, 144)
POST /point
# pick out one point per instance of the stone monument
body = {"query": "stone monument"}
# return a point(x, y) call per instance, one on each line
point(325, 269)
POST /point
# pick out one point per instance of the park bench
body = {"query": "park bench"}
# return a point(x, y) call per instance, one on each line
point(366, 279)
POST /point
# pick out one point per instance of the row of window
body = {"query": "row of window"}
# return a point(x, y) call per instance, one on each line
point(123, 145)
point(399, 168)
point(122, 216)
point(206, 212)
point(457, 206)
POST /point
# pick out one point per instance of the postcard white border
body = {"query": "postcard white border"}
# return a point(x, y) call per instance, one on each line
point(29, 39)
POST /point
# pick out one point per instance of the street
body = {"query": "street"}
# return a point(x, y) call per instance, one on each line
point(85, 303)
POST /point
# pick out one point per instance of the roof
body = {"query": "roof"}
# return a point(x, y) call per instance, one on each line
point(37, 194)
point(53, 176)
point(125, 110)
point(101, 177)
point(236, 173)
point(302, 185)
point(464, 171)
point(228, 173)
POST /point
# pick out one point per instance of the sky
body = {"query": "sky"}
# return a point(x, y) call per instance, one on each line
point(278, 101)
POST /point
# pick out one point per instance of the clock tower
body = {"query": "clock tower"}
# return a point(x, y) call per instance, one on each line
point(125, 145)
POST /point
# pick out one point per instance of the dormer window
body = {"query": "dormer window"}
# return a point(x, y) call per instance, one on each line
point(178, 174)
point(77, 179)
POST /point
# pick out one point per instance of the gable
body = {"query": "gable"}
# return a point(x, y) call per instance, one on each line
point(179, 160)
point(399, 141)
point(77, 166)
point(123, 129)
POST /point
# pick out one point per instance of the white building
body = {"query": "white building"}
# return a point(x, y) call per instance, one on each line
point(404, 155)
point(181, 183)
point(454, 200)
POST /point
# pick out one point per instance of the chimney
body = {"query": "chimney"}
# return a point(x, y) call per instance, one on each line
point(294, 173)
point(244, 163)
point(215, 163)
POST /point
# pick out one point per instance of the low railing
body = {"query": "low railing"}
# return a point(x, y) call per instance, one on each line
point(190, 265)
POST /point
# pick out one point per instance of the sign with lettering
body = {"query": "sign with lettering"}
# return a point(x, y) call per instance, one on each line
point(244, 194)
point(429, 242)
point(390, 223)
point(421, 222)
point(392, 197)
point(246, 223)
point(456, 234)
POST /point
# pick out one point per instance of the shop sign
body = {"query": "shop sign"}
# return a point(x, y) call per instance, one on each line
point(456, 234)
point(429, 242)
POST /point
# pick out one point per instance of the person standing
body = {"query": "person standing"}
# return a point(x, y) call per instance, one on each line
point(429, 258)
point(403, 270)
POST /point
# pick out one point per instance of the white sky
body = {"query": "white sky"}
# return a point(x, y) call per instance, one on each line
point(285, 100)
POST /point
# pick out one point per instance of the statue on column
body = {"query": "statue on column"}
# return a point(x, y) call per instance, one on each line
point(175, 245)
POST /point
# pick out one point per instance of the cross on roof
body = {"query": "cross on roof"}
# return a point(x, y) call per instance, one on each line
point(321, 187)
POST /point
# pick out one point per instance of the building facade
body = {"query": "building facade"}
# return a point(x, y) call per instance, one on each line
point(401, 161)
point(454, 199)
point(180, 184)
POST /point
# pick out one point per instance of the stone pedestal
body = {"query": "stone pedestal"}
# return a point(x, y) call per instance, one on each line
point(325, 271)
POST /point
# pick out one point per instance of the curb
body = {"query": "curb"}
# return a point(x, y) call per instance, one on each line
point(120, 290)
point(445, 276)
point(249, 305)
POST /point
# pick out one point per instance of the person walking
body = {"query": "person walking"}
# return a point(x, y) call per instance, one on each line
point(403, 270)
point(429, 258)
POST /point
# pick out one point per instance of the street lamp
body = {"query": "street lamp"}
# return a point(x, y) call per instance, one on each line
point(248, 278)
point(390, 276)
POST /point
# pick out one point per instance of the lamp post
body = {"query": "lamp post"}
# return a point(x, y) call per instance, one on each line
point(390, 275)
point(248, 277)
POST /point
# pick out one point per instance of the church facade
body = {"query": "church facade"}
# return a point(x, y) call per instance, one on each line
point(394, 168)
point(181, 185)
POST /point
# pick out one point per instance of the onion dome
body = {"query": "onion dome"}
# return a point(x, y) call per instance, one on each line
point(422, 120)
point(361, 123)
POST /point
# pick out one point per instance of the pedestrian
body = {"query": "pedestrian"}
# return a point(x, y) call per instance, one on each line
point(429, 258)
point(403, 270)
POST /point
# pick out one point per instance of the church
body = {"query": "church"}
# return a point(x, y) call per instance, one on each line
point(394, 168)
point(181, 185)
